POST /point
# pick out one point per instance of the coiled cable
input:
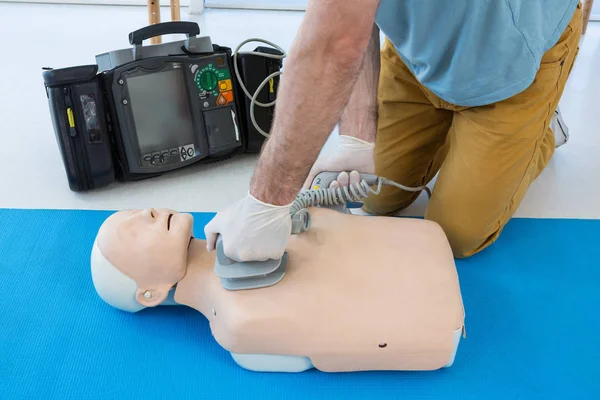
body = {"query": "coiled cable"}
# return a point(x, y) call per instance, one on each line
point(354, 192)
point(253, 97)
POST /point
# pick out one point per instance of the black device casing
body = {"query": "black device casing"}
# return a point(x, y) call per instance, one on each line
point(78, 115)
point(253, 70)
point(93, 123)
point(215, 146)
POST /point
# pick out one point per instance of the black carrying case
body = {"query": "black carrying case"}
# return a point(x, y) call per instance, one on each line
point(77, 112)
point(253, 70)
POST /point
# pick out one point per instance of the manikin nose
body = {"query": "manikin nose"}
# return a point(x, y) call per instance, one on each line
point(158, 212)
point(150, 213)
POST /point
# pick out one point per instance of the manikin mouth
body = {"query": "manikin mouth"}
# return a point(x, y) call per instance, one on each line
point(169, 221)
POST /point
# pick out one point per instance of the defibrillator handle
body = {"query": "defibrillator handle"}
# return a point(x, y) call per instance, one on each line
point(164, 28)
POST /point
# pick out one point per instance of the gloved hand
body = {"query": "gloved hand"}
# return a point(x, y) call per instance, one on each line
point(251, 230)
point(352, 154)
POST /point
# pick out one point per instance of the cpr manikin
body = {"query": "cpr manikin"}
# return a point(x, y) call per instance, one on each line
point(360, 293)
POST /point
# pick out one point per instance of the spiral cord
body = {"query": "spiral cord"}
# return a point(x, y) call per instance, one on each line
point(354, 192)
point(333, 196)
point(338, 196)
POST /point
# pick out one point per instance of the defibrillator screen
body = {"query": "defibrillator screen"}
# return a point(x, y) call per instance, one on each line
point(161, 110)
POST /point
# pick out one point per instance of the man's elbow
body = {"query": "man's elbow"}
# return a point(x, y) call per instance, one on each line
point(347, 51)
point(346, 27)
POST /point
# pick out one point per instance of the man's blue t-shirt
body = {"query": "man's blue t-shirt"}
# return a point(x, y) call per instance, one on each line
point(474, 52)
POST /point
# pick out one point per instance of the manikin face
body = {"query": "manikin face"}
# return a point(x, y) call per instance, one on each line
point(150, 246)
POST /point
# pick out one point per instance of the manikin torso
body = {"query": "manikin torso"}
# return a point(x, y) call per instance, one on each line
point(360, 293)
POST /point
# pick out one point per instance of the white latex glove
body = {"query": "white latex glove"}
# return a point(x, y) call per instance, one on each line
point(251, 230)
point(351, 155)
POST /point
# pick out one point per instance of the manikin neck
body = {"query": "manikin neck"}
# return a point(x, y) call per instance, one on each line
point(170, 300)
point(196, 259)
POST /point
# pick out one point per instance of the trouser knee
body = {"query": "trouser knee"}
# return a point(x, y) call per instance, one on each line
point(466, 237)
point(388, 202)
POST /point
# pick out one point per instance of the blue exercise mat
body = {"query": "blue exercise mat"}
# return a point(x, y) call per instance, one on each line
point(533, 326)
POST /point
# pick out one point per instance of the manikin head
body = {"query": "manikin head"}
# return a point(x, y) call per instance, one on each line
point(139, 255)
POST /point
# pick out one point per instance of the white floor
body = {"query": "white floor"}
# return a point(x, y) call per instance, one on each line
point(32, 175)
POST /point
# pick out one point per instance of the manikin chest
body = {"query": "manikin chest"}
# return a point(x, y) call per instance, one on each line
point(360, 293)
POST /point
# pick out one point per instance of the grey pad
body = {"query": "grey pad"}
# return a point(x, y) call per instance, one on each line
point(257, 281)
point(247, 275)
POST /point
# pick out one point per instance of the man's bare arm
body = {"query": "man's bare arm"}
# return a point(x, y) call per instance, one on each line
point(359, 118)
point(322, 68)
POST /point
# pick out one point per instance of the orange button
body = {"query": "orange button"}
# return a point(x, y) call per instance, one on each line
point(225, 85)
point(225, 98)
point(228, 96)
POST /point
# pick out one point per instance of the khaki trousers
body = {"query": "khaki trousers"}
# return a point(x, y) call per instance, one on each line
point(487, 156)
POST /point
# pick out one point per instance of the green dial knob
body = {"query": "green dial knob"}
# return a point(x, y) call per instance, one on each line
point(208, 80)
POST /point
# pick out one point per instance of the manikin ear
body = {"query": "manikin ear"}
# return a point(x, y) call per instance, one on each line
point(151, 297)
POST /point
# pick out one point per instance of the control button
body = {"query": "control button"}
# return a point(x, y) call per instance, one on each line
point(206, 104)
point(223, 74)
point(208, 80)
point(221, 100)
point(187, 152)
point(225, 85)
point(228, 96)
point(158, 157)
point(225, 98)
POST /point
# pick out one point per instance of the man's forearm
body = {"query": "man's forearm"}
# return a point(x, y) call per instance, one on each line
point(359, 118)
point(319, 75)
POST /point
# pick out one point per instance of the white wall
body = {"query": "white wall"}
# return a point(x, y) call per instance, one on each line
point(259, 4)
point(596, 11)
point(101, 2)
